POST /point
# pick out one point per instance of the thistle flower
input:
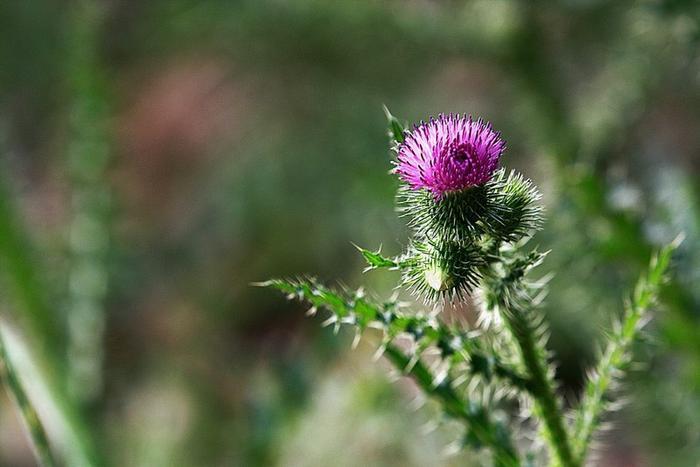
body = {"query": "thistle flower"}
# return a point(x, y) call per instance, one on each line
point(470, 222)
point(449, 154)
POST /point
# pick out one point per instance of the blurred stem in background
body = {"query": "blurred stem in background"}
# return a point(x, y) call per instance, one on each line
point(88, 156)
point(30, 302)
point(24, 276)
point(34, 427)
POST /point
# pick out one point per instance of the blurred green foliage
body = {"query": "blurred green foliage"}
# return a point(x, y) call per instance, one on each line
point(247, 140)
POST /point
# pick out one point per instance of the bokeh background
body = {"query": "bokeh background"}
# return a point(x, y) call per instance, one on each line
point(157, 157)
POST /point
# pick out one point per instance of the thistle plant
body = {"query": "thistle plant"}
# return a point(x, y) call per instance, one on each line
point(471, 222)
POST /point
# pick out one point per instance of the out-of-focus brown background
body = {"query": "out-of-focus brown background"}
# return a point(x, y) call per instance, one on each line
point(157, 157)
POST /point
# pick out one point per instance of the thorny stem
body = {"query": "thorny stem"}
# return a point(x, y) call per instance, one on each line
point(35, 429)
point(517, 308)
point(542, 389)
point(476, 418)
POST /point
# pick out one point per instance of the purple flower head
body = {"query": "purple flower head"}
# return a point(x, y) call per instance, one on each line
point(450, 153)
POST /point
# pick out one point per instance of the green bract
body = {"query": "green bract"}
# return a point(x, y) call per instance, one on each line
point(455, 237)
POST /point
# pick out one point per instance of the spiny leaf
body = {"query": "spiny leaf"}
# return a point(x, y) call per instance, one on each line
point(354, 309)
point(375, 260)
point(481, 428)
point(424, 330)
point(617, 354)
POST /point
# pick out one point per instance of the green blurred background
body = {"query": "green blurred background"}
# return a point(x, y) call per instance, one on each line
point(157, 157)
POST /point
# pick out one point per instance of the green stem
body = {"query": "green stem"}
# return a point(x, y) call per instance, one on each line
point(513, 295)
point(485, 365)
point(35, 429)
point(475, 417)
point(542, 389)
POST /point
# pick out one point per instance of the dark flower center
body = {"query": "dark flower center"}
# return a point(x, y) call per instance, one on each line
point(462, 153)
